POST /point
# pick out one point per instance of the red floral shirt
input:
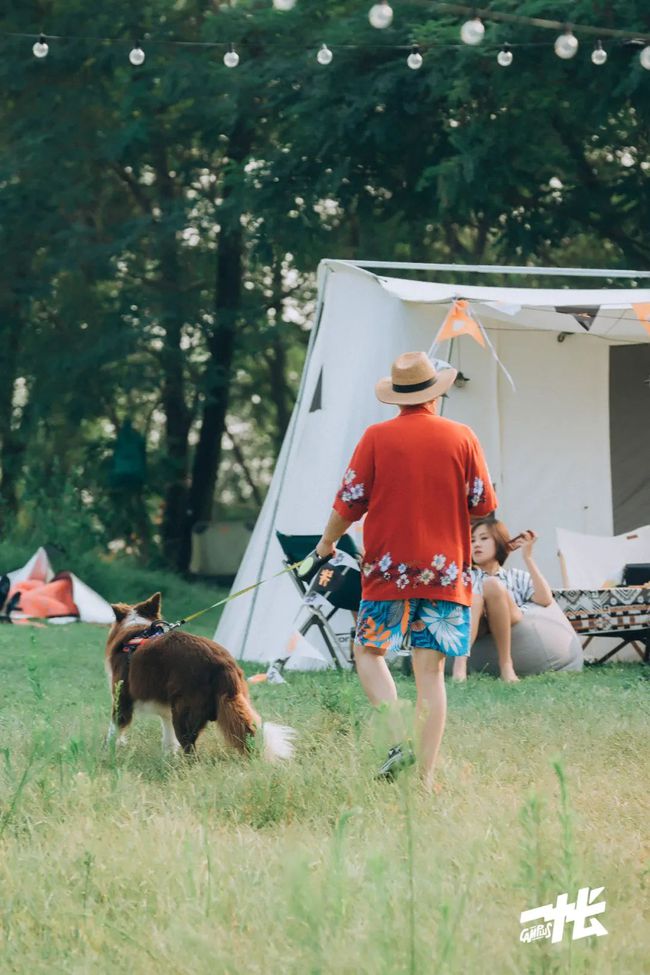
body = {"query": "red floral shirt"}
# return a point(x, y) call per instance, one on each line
point(419, 477)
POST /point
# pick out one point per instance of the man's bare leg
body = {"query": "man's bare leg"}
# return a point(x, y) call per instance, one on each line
point(377, 681)
point(502, 614)
point(459, 671)
point(431, 709)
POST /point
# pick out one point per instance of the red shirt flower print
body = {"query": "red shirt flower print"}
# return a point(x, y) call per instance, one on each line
point(351, 492)
point(418, 477)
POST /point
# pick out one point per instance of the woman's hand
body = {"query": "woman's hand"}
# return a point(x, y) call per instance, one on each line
point(528, 540)
point(542, 594)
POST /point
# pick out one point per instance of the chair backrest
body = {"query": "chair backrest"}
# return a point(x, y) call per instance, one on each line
point(296, 547)
point(345, 589)
point(591, 561)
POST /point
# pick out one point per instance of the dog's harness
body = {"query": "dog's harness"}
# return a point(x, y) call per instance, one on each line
point(158, 628)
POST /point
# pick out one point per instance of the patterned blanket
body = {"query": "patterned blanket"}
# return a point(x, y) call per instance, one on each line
point(591, 611)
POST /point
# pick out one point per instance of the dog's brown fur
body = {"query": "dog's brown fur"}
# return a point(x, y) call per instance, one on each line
point(190, 678)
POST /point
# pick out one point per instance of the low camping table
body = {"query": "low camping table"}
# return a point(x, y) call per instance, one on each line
point(622, 612)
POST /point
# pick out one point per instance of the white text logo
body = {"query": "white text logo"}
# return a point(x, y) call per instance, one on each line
point(555, 916)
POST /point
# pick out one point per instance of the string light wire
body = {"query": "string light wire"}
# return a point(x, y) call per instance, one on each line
point(636, 38)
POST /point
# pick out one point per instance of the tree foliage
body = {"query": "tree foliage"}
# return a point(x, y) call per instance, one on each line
point(161, 225)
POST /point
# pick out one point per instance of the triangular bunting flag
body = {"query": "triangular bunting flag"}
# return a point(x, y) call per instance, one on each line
point(642, 310)
point(317, 398)
point(459, 321)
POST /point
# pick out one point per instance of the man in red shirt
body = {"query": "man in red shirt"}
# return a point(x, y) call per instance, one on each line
point(419, 478)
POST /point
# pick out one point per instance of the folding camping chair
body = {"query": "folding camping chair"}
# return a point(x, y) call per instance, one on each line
point(605, 594)
point(334, 588)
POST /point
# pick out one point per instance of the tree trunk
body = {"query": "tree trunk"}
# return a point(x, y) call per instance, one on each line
point(277, 363)
point(280, 392)
point(177, 419)
point(11, 448)
point(221, 345)
point(176, 433)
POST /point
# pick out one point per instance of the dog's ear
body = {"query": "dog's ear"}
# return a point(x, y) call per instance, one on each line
point(150, 608)
point(121, 610)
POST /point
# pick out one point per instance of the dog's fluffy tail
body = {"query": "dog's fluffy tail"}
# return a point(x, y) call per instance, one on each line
point(277, 741)
point(240, 722)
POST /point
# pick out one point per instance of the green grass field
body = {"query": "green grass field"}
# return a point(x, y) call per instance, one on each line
point(118, 861)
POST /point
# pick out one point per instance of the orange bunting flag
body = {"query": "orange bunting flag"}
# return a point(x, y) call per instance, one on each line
point(459, 321)
point(642, 310)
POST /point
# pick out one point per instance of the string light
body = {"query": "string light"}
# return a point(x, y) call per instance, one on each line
point(136, 55)
point(381, 15)
point(414, 60)
point(231, 58)
point(472, 31)
point(504, 57)
point(41, 48)
point(566, 45)
point(284, 4)
point(599, 54)
point(324, 55)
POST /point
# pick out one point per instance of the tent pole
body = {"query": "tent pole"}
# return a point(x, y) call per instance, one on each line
point(558, 272)
point(293, 426)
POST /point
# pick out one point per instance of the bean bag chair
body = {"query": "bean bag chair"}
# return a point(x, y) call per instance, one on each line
point(49, 600)
point(544, 640)
point(35, 591)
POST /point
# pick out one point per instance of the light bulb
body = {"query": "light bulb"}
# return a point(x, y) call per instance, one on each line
point(40, 48)
point(599, 54)
point(136, 55)
point(231, 58)
point(566, 45)
point(644, 58)
point(284, 4)
point(504, 57)
point(472, 31)
point(324, 55)
point(414, 60)
point(381, 15)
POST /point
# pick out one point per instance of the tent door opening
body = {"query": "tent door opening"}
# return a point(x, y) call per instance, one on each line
point(629, 420)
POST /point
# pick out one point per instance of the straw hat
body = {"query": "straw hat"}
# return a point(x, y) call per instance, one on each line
point(414, 379)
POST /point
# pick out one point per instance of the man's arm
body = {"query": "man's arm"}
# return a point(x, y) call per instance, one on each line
point(353, 497)
point(336, 526)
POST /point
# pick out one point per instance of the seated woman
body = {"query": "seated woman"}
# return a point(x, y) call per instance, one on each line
point(501, 596)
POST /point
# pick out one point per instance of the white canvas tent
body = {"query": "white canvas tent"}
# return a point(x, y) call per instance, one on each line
point(547, 443)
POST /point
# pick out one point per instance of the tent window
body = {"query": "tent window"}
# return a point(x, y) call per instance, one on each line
point(584, 315)
point(317, 398)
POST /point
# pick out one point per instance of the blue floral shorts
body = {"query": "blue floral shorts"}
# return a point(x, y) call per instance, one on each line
point(439, 625)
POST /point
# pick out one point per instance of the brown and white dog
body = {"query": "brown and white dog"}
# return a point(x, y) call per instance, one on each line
point(187, 681)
